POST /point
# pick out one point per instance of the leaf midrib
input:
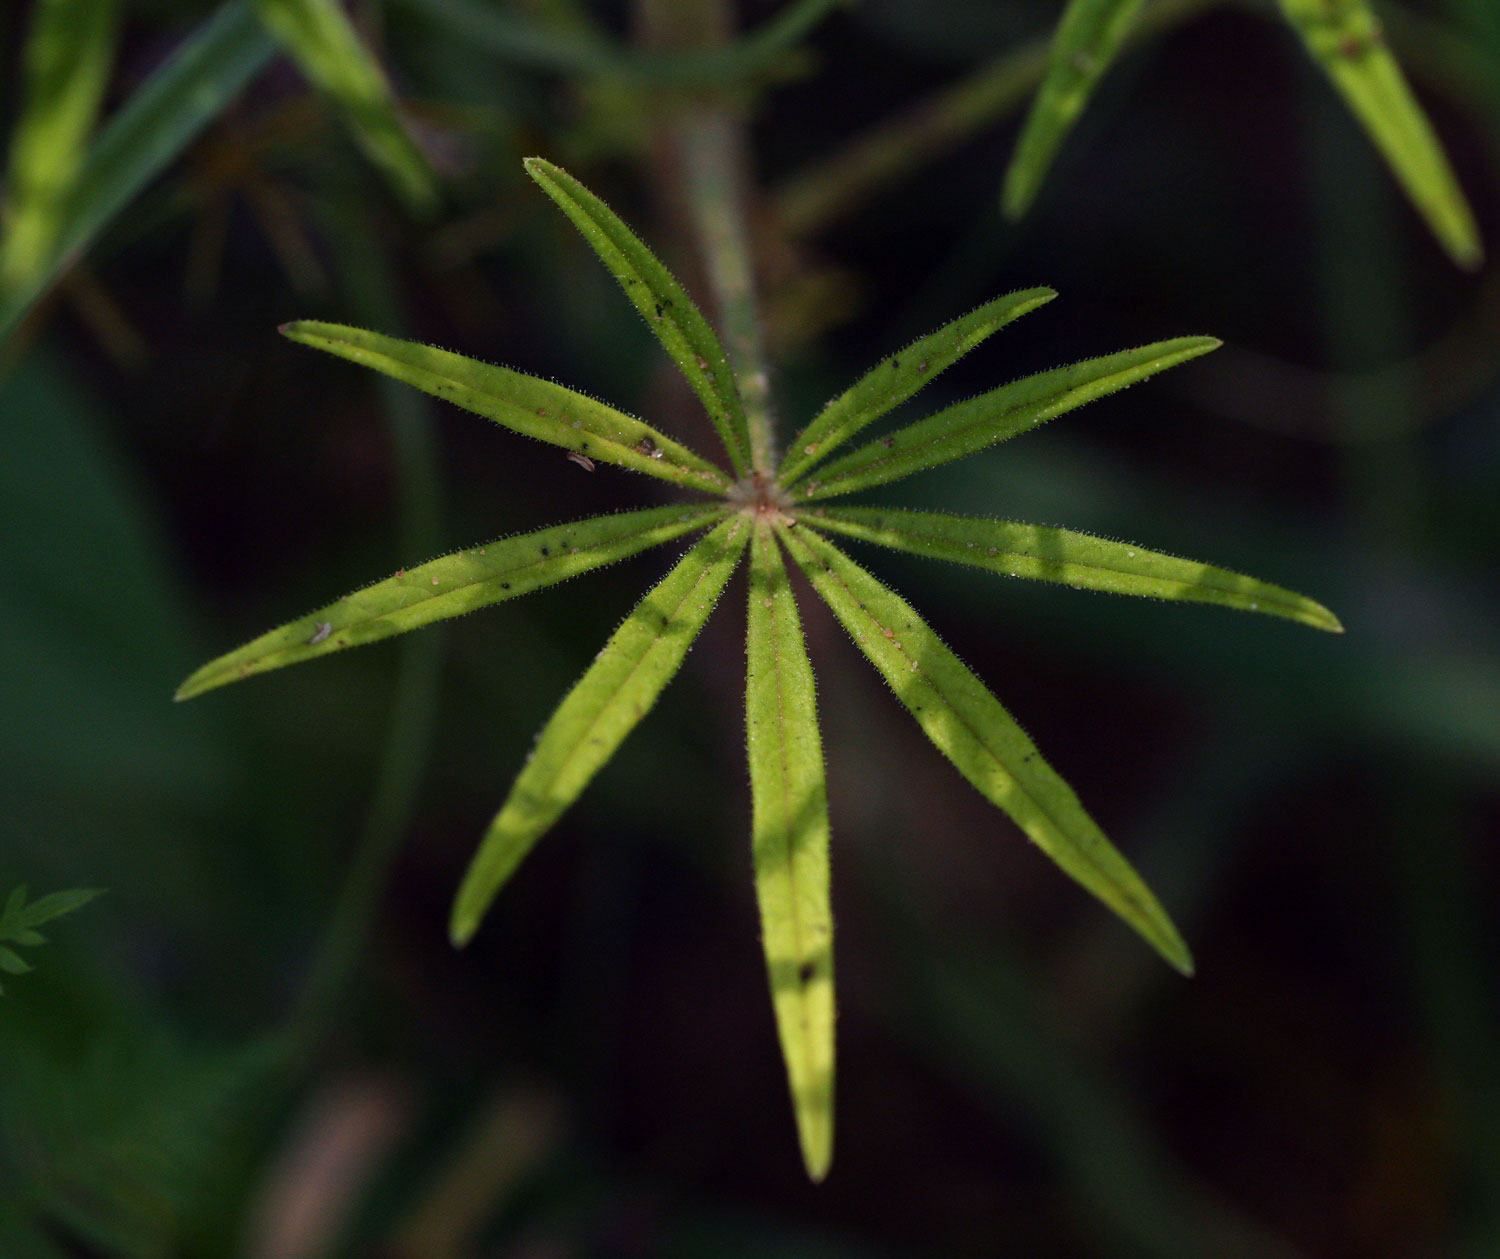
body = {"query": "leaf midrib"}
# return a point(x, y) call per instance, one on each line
point(804, 1048)
point(1000, 552)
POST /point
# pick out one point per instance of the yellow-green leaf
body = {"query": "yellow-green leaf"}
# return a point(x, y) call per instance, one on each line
point(323, 43)
point(538, 408)
point(994, 416)
point(451, 586)
point(1087, 39)
point(663, 303)
point(971, 728)
point(1047, 553)
point(70, 47)
point(790, 844)
point(898, 377)
point(1346, 39)
point(605, 705)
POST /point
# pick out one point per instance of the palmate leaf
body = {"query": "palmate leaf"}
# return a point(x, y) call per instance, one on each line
point(664, 304)
point(453, 585)
point(1088, 38)
point(896, 378)
point(323, 43)
point(971, 728)
point(790, 844)
point(69, 51)
point(1345, 38)
point(538, 408)
point(1047, 553)
point(969, 426)
point(164, 115)
point(605, 705)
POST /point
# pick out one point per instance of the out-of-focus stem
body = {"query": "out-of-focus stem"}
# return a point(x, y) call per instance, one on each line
point(714, 165)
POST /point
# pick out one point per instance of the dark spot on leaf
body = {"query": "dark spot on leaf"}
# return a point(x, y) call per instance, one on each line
point(805, 973)
point(658, 310)
point(505, 585)
point(896, 363)
point(546, 550)
point(888, 442)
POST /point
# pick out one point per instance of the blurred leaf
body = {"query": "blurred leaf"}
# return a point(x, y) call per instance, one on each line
point(1088, 38)
point(971, 728)
point(1001, 413)
point(119, 1136)
point(790, 844)
point(528, 42)
point(56, 904)
point(323, 43)
point(1345, 38)
point(155, 125)
point(605, 705)
point(19, 921)
point(69, 50)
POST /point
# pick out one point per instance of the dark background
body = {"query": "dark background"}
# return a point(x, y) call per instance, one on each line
point(598, 1074)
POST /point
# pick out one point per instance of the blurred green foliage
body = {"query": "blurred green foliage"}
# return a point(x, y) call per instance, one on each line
point(206, 1066)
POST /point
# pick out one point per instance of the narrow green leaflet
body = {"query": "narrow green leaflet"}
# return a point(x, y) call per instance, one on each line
point(1345, 38)
point(896, 378)
point(972, 730)
point(662, 301)
point(524, 40)
point(323, 43)
point(1047, 553)
point(163, 116)
point(790, 844)
point(452, 585)
point(617, 690)
point(19, 922)
point(70, 48)
point(537, 408)
point(1087, 39)
point(991, 417)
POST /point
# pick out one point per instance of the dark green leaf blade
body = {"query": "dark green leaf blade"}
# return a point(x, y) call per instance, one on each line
point(1070, 558)
point(1345, 38)
point(898, 377)
point(971, 728)
point(56, 904)
point(1088, 38)
point(146, 133)
point(69, 51)
point(13, 963)
point(453, 585)
point(537, 408)
point(323, 43)
point(969, 426)
point(664, 304)
point(790, 844)
point(605, 705)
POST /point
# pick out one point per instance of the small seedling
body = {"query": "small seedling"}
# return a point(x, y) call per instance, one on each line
point(772, 512)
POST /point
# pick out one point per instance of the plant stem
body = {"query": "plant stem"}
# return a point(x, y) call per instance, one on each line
point(714, 163)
